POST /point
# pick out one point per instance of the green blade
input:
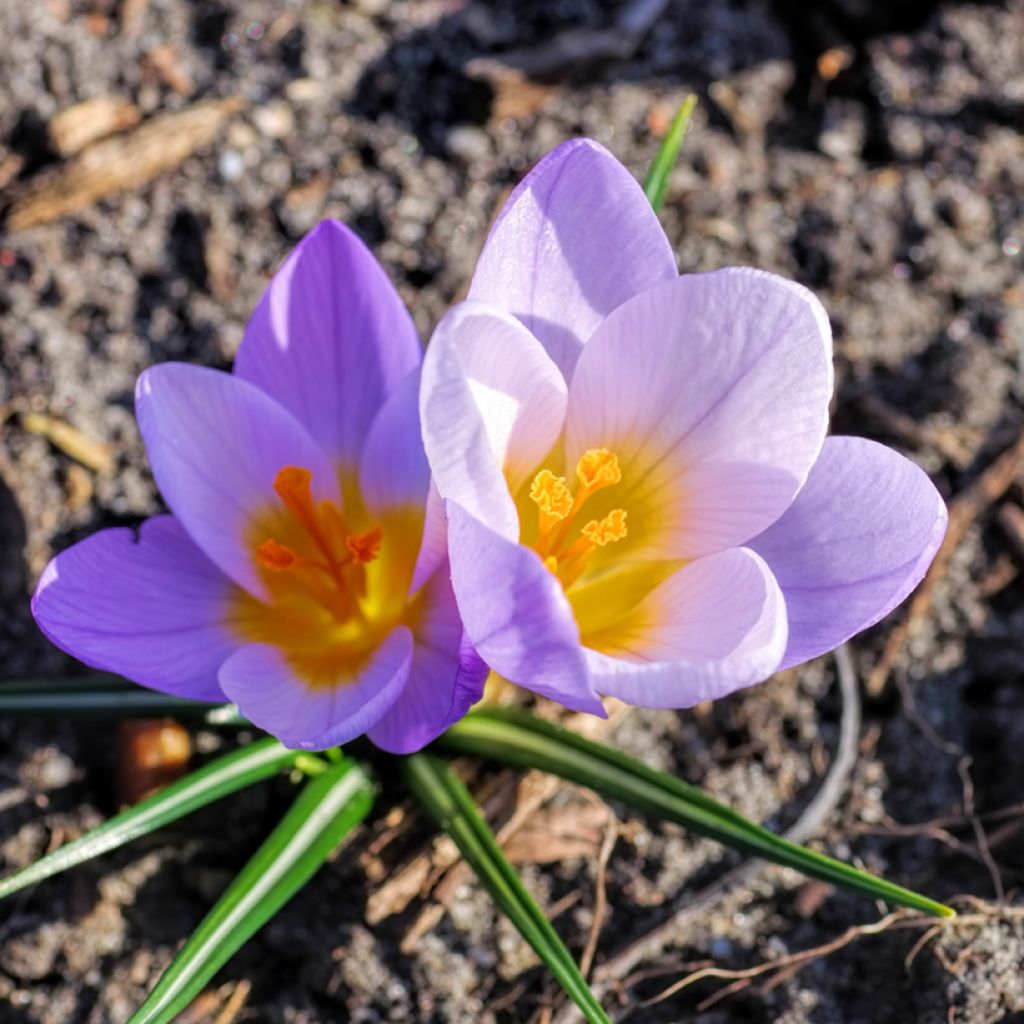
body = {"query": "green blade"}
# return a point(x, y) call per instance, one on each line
point(521, 739)
point(327, 809)
point(656, 185)
point(450, 804)
point(105, 695)
point(218, 779)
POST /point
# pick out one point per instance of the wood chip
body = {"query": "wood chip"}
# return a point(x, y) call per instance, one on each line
point(76, 127)
point(122, 162)
point(1011, 519)
point(95, 455)
point(153, 752)
point(164, 62)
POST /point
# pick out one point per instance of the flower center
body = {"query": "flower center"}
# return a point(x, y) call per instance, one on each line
point(324, 558)
point(558, 509)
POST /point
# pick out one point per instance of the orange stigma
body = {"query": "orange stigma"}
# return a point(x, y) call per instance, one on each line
point(366, 546)
point(557, 506)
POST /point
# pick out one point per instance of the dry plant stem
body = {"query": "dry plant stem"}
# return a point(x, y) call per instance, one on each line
point(122, 162)
point(600, 892)
point(964, 510)
point(783, 968)
point(534, 791)
point(808, 824)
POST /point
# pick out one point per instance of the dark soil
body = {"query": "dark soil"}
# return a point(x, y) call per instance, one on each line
point(887, 174)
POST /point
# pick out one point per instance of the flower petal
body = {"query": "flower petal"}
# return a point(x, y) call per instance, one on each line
point(215, 444)
point(330, 339)
point(856, 541)
point(492, 406)
point(259, 680)
point(714, 626)
point(446, 679)
point(576, 238)
point(713, 390)
point(516, 615)
point(149, 607)
point(393, 470)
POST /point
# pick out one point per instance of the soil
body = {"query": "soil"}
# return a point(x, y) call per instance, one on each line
point(872, 151)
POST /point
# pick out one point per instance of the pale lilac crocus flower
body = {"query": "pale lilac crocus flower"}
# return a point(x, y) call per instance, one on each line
point(641, 497)
point(292, 576)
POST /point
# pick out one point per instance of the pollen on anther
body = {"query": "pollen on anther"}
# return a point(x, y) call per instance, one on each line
point(607, 530)
point(551, 494)
point(598, 467)
point(365, 547)
point(275, 557)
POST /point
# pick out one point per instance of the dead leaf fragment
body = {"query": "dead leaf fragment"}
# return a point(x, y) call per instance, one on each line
point(76, 127)
point(122, 162)
point(93, 454)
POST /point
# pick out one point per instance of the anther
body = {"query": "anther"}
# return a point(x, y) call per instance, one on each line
point(608, 530)
point(552, 495)
point(598, 468)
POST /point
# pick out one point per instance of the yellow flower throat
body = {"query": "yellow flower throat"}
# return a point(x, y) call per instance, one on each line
point(332, 575)
point(558, 508)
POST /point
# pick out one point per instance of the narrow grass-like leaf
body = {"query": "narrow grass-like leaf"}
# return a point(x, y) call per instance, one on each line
point(105, 695)
point(519, 738)
point(656, 185)
point(218, 779)
point(327, 809)
point(450, 804)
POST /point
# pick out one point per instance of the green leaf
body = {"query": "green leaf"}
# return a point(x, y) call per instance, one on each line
point(519, 738)
point(327, 809)
point(656, 185)
point(450, 804)
point(105, 695)
point(218, 779)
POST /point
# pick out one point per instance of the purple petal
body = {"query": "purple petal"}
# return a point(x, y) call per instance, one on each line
point(393, 470)
point(516, 615)
point(151, 608)
point(577, 238)
point(260, 681)
point(492, 405)
point(215, 443)
point(446, 678)
point(857, 540)
point(715, 626)
point(713, 391)
point(330, 339)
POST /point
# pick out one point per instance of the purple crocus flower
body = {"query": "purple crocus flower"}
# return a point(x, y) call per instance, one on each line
point(641, 498)
point(294, 575)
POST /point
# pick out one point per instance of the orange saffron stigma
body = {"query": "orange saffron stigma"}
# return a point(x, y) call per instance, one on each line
point(365, 547)
point(275, 557)
point(596, 469)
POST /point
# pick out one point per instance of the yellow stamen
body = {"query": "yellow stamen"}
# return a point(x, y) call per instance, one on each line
point(553, 498)
point(598, 468)
point(275, 557)
point(365, 547)
point(608, 530)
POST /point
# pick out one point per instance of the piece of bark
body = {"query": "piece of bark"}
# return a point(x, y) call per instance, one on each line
point(76, 127)
point(122, 162)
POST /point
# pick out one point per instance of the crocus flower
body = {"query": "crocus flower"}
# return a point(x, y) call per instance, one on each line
point(293, 576)
point(641, 498)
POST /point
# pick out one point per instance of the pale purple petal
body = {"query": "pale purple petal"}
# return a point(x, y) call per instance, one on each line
point(149, 607)
point(713, 391)
point(492, 405)
point(330, 339)
point(446, 679)
point(516, 614)
point(576, 238)
point(393, 470)
point(857, 540)
point(215, 444)
point(260, 681)
point(715, 626)
point(434, 543)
